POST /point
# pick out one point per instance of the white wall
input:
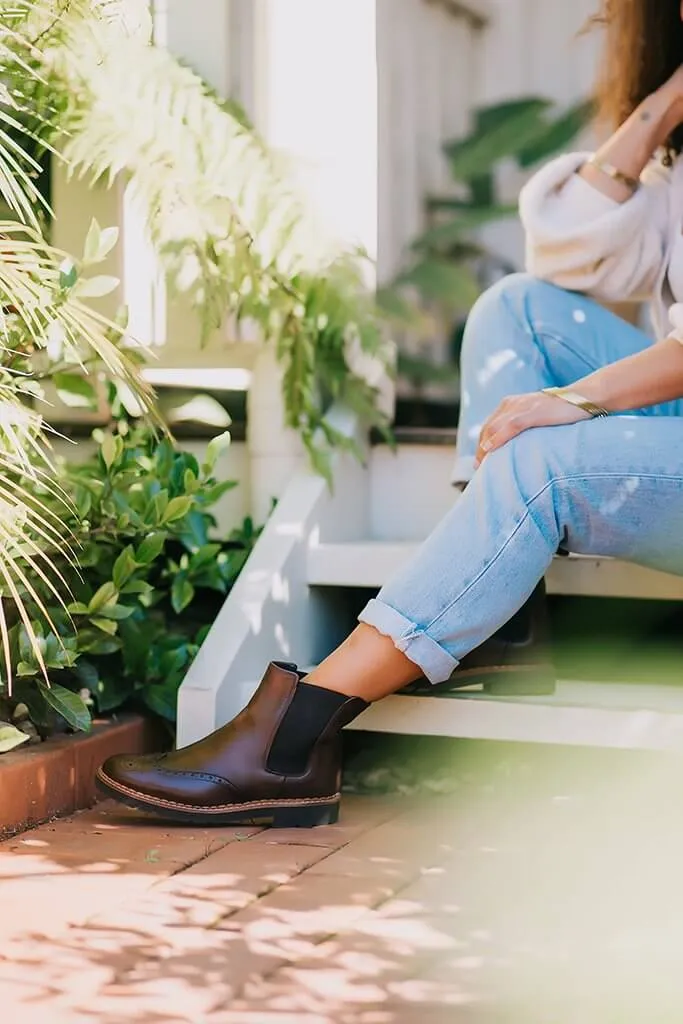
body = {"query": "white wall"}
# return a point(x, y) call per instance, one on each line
point(429, 66)
point(531, 46)
point(535, 47)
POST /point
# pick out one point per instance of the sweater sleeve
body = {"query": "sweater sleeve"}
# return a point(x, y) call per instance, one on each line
point(676, 321)
point(582, 240)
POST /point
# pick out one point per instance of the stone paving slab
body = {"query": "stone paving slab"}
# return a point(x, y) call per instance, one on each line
point(541, 891)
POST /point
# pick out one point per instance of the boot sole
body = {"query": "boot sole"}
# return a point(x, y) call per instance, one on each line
point(275, 814)
point(498, 681)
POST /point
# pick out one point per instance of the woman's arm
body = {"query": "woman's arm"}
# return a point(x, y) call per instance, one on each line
point(633, 145)
point(586, 231)
point(647, 378)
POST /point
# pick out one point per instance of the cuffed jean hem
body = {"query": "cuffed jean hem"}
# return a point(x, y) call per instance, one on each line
point(429, 656)
point(463, 470)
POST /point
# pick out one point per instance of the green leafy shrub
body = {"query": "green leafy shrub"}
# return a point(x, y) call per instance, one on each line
point(152, 578)
point(81, 81)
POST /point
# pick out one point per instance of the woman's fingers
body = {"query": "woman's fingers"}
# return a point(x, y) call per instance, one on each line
point(498, 431)
point(519, 413)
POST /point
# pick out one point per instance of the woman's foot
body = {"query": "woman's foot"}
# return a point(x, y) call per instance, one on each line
point(278, 761)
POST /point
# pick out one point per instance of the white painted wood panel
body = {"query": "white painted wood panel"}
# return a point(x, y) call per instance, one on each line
point(371, 563)
point(428, 66)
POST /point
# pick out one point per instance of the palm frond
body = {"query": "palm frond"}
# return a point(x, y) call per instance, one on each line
point(39, 299)
point(30, 285)
point(30, 532)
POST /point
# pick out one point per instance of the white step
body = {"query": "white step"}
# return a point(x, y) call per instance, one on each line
point(625, 716)
point(371, 563)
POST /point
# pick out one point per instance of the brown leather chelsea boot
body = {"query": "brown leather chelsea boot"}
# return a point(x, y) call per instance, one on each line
point(277, 762)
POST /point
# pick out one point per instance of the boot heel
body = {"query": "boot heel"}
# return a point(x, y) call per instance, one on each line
point(305, 817)
point(520, 684)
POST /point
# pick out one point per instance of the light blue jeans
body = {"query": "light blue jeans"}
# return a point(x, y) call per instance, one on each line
point(606, 486)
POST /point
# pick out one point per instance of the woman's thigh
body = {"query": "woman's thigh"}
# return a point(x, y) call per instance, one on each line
point(525, 333)
point(614, 486)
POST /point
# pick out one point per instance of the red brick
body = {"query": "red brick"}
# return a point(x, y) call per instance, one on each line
point(57, 777)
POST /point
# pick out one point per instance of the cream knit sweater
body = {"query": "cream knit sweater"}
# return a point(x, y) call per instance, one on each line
point(584, 241)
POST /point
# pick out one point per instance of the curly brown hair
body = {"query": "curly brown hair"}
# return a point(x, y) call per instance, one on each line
point(643, 46)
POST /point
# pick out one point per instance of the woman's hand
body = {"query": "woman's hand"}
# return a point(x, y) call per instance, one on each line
point(521, 412)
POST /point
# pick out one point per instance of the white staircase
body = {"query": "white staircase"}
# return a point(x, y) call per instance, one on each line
point(297, 597)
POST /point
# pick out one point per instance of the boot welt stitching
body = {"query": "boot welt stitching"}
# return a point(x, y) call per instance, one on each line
point(250, 805)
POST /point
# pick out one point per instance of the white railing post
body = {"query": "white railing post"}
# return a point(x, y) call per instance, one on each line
point(275, 452)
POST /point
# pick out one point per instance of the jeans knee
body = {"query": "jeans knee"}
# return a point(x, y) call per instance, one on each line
point(503, 303)
point(533, 460)
point(507, 296)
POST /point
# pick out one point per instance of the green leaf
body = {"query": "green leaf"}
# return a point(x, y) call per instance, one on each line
point(105, 595)
point(108, 239)
point(177, 508)
point(216, 446)
point(111, 449)
point(182, 593)
point(501, 132)
point(137, 587)
point(157, 507)
point(83, 501)
point(68, 274)
point(75, 391)
point(195, 529)
point(467, 220)
point(98, 242)
point(10, 737)
point(162, 699)
point(205, 556)
point(117, 611)
point(110, 694)
point(92, 242)
point(150, 548)
point(211, 494)
point(78, 608)
point(27, 668)
point(87, 674)
point(439, 280)
point(200, 409)
point(124, 567)
point(96, 287)
point(106, 625)
point(555, 136)
point(101, 645)
point(68, 704)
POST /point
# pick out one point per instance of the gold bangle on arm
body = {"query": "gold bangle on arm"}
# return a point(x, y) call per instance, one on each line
point(614, 173)
point(574, 398)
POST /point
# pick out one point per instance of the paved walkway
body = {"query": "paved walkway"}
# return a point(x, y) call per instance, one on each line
point(547, 888)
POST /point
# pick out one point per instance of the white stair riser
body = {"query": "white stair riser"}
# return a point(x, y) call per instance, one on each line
point(410, 490)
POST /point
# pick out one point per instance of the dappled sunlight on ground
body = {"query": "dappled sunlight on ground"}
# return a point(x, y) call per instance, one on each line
point(544, 889)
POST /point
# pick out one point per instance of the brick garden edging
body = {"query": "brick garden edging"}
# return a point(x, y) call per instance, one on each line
point(57, 777)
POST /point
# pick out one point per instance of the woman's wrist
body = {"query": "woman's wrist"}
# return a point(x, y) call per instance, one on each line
point(596, 389)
